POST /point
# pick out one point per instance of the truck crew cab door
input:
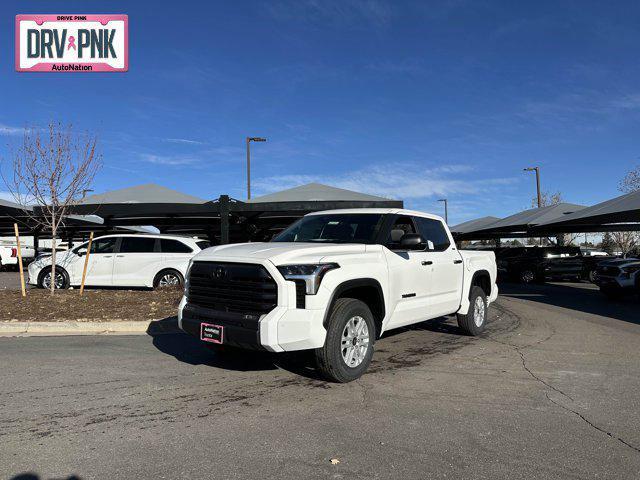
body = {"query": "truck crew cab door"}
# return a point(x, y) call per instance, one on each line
point(409, 276)
point(447, 267)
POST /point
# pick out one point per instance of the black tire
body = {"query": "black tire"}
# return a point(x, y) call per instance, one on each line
point(329, 358)
point(527, 276)
point(60, 273)
point(467, 321)
point(592, 276)
point(158, 279)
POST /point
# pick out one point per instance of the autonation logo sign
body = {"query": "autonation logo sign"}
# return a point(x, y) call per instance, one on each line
point(72, 43)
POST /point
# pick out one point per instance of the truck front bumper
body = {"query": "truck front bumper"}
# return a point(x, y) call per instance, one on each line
point(282, 329)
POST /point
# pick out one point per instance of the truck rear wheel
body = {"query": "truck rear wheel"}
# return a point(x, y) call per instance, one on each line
point(348, 348)
point(474, 321)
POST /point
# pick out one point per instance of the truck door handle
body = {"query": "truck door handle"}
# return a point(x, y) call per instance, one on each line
point(427, 262)
point(457, 261)
point(119, 256)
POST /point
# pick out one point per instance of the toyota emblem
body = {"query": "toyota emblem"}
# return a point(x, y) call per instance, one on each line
point(219, 272)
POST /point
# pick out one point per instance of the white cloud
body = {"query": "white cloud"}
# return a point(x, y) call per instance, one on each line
point(167, 160)
point(398, 181)
point(183, 141)
point(9, 130)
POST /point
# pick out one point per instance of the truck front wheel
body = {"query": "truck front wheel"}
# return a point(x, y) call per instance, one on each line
point(474, 321)
point(348, 348)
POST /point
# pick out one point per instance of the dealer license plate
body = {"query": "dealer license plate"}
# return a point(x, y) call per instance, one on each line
point(211, 333)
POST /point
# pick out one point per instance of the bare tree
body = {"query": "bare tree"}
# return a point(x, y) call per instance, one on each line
point(50, 170)
point(631, 181)
point(548, 199)
point(627, 241)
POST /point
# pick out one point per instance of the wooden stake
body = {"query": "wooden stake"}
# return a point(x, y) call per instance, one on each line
point(86, 263)
point(24, 290)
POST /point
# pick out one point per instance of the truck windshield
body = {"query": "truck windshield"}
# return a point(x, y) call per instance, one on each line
point(333, 228)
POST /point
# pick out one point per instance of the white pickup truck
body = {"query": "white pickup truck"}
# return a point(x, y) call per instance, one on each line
point(334, 282)
point(9, 255)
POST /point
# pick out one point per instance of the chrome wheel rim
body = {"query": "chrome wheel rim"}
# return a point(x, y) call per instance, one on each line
point(169, 280)
point(355, 341)
point(479, 310)
point(527, 276)
point(46, 280)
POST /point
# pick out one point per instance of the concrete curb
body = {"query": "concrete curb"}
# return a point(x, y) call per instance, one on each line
point(152, 327)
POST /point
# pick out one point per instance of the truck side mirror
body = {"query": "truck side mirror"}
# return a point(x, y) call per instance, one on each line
point(413, 241)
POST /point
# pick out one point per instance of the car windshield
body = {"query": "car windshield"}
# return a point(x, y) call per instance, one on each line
point(561, 252)
point(203, 244)
point(333, 228)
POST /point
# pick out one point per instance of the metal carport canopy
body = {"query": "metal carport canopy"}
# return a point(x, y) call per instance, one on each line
point(459, 231)
point(27, 218)
point(225, 218)
point(617, 214)
point(522, 223)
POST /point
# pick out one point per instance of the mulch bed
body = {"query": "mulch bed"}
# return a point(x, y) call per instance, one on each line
point(95, 305)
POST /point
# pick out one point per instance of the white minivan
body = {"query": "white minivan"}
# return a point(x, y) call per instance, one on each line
point(121, 261)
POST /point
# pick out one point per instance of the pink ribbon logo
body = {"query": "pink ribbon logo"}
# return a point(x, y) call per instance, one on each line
point(72, 43)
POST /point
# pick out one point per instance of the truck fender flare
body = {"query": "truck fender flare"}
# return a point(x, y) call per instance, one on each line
point(349, 284)
point(478, 274)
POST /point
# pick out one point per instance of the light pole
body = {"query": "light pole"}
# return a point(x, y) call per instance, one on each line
point(537, 170)
point(249, 140)
point(446, 210)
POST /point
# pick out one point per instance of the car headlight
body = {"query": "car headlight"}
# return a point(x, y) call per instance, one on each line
point(311, 274)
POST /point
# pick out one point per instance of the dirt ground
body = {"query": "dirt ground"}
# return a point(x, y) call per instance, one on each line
point(94, 305)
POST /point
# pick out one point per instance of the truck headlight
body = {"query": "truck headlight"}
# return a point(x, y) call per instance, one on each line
point(311, 274)
point(186, 276)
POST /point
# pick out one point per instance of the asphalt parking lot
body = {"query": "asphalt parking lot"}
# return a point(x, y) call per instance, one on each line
point(10, 280)
point(549, 391)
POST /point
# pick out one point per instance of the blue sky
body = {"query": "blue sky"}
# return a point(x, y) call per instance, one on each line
point(414, 100)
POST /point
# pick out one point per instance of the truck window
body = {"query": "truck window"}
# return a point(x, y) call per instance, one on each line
point(333, 228)
point(401, 226)
point(433, 231)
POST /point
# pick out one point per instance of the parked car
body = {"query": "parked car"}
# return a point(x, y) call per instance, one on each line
point(590, 265)
point(9, 256)
point(334, 282)
point(537, 264)
point(121, 261)
point(618, 277)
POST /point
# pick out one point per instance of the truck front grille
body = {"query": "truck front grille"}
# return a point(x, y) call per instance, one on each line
point(232, 287)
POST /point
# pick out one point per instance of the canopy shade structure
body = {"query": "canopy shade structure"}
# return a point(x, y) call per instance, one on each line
point(618, 214)
point(30, 223)
point(522, 223)
point(223, 220)
point(317, 192)
point(471, 226)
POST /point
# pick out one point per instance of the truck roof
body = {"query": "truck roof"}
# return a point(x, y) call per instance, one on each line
point(384, 211)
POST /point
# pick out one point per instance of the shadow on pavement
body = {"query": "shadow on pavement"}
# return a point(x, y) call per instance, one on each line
point(33, 476)
point(170, 340)
point(579, 297)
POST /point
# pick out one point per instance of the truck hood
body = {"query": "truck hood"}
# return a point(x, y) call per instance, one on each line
point(279, 253)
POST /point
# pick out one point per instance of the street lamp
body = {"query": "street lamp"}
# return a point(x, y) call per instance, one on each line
point(249, 140)
point(446, 210)
point(537, 170)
